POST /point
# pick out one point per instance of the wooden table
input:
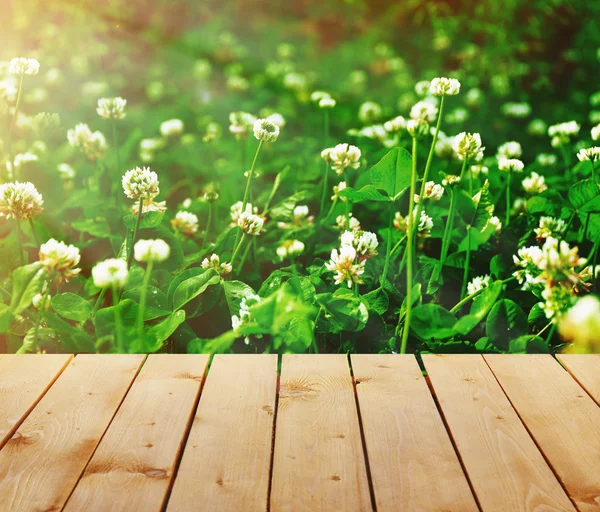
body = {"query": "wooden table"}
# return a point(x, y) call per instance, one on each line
point(369, 432)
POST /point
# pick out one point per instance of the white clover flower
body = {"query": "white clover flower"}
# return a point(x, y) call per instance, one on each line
point(546, 159)
point(240, 123)
point(36, 302)
point(24, 158)
point(111, 108)
point(352, 225)
point(343, 156)
point(595, 132)
point(171, 128)
point(417, 128)
point(444, 146)
point(424, 110)
point(468, 146)
point(327, 102)
point(149, 205)
point(236, 210)
point(433, 191)
point(422, 88)
point(79, 136)
point(295, 81)
point(96, 146)
point(140, 183)
point(345, 267)
point(535, 184)
point(496, 222)
point(425, 223)
point(478, 169)
point(60, 259)
point(444, 87)
point(317, 96)
point(277, 119)
point(550, 227)
point(450, 180)
point(558, 299)
point(589, 154)
point(151, 250)
point(20, 66)
point(395, 125)
point(66, 171)
point(110, 273)
point(221, 267)
point(336, 191)
point(20, 200)
point(510, 149)
point(511, 165)
point(516, 110)
point(581, 325)
point(266, 130)
point(369, 111)
point(561, 133)
point(364, 242)
point(478, 283)
point(290, 248)
point(250, 224)
point(185, 223)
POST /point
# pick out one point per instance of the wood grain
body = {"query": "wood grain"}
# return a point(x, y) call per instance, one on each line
point(24, 378)
point(585, 369)
point(408, 448)
point(133, 466)
point(562, 418)
point(41, 463)
point(318, 460)
point(505, 467)
point(227, 458)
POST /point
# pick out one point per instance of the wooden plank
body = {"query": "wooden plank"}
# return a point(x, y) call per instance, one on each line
point(408, 448)
point(41, 463)
point(227, 458)
point(506, 470)
point(318, 462)
point(561, 417)
point(133, 466)
point(585, 368)
point(24, 378)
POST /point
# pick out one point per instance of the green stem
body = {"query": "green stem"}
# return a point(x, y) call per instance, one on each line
point(135, 231)
point(20, 241)
point(593, 171)
point(118, 160)
point(11, 127)
point(507, 220)
point(41, 312)
point(467, 263)
point(326, 170)
point(235, 252)
point(544, 329)
point(143, 292)
point(98, 302)
point(118, 322)
point(568, 225)
point(448, 228)
point(460, 304)
point(250, 174)
point(388, 249)
point(551, 333)
point(585, 229)
point(470, 181)
point(208, 222)
point(34, 231)
point(409, 249)
point(398, 244)
point(347, 204)
point(462, 170)
point(314, 340)
point(244, 258)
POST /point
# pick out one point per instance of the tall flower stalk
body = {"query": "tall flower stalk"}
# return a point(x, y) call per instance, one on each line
point(326, 164)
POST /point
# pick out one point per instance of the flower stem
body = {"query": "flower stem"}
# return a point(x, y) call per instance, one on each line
point(143, 292)
point(118, 323)
point(135, 231)
point(34, 231)
point(462, 169)
point(118, 160)
point(395, 248)
point(467, 263)
point(409, 249)
point(593, 171)
point(448, 230)
point(507, 220)
point(250, 174)
point(208, 222)
point(235, 252)
point(10, 130)
point(20, 241)
point(98, 302)
point(326, 170)
point(41, 311)
point(388, 248)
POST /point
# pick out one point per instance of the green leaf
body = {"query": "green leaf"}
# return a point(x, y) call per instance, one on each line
point(393, 172)
point(377, 301)
point(297, 335)
point(72, 307)
point(5, 318)
point(585, 196)
point(95, 227)
point(156, 301)
point(366, 193)
point(506, 322)
point(28, 281)
point(343, 310)
point(71, 339)
point(481, 306)
point(528, 344)
point(235, 291)
point(193, 287)
point(276, 311)
point(149, 220)
point(431, 321)
point(285, 209)
point(163, 329)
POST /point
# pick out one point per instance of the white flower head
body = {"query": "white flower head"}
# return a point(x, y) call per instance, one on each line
point(20, 200)
point(317, 96)
point(341, 221)
point(221, 267)
point(151, 250)
point(20, 66)
point(534, 184)
point(424, 110)
point(395, 125)
point(266, 130)
point(417, 128)
point(444, 87)
point(79, 136)
point(110, 273)
point(66, 171)
point(240, 123)
point(327, 102)
point(290, 249)
point(496, 222)
point(589, 154)
point(561, 133)
point(422, 88)
point(277, 119)
point(60, 259)
point(511, 149)
point(550, 227)
point(364, 242)
point(345, 266)
point(468, 146)
point(546, 159)
point(111, 108)
point(140, 182)
point(369, 112)
point(595, 132)
point(450, 180)
point(185, 223)
point(478, 283)
point(343, 156)
point(171, 128)
point(250, 223)
point(511, 165)
point(433, 191)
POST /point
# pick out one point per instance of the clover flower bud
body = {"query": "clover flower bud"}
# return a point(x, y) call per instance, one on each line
point(140, 182)
point(468, 146)
point(266, 130)
point(478, 283)
point(151, 250)
point(510, 149)
point(171, 128)
point(290, 249)
point(433, 191)
point(215, 263)
point(561, 133)
point(341, 221)
point(20, 66)
point(476, 170)
point(110, 273)
point(327, 102)
point(589, 154)
point(60, 259)
point(240, 123)
point(111, 108)
point(185, 223)
point(444, 87)
point(20, 200)
point(516, 110)
point(250, 223)
point(79, 136)
point(450, 180)
point(24, 158)
point(336, 191)
point(417, 128)
point(95, 146)
point(534, 184)
point(496, 222)
point(511, 165)
point(36, 302)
